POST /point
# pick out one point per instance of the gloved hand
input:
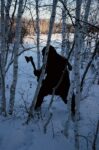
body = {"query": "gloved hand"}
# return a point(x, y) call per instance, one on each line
point(37, 73)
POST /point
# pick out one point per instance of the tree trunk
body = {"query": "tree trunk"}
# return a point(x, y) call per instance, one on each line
point(37, 34)
point(15, 63)
point(85, 28)
point(2, 58)
point(7, 27)
point(63, 51)
point(77, 70)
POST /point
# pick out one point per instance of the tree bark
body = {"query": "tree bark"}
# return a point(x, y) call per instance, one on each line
point(63, 51)
point(2, 58)
point(77, 70)
point(38, 33)
point(7, 27)
point(15, 63)
point(85, 29)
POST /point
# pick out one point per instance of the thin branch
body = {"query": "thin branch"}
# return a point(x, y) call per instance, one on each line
point(79, 20)
point(68, 12)
point(95, 137)
point(20, 53)
point(88, 65)
point(47, 122)
point(84, 137)
point(71, 50)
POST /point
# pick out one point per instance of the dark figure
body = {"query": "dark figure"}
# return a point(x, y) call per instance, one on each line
point(54, 70)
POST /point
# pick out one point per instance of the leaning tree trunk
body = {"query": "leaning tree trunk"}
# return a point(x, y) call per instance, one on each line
point(52, 19)
point(37, 34)
point(15, 63)
point(2, 58)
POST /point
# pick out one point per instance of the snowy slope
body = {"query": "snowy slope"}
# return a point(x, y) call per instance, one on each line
point(15, 135)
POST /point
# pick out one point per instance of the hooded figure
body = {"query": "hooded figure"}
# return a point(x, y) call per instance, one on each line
point(54, 69)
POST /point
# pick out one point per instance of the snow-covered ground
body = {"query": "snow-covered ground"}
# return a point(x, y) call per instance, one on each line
point(15, 135)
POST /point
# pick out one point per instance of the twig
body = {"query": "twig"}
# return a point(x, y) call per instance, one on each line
point(27, 111)
point(79, 20)
point(71, 50)
point(95, 137)
point(47, 122)
point(84, 137)
point(11, 61)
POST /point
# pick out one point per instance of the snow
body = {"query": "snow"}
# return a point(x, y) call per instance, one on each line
point(16, 135)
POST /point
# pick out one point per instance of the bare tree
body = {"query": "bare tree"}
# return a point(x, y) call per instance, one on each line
point(15, 62)
point(63, 51)
point(2, 58)
point(38, 33)
point(88, 65)
point(85, 28)
point(7, 26)
point(77, 70)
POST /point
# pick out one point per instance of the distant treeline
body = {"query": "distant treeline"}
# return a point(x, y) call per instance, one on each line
point(29, 28)
point(44, 26)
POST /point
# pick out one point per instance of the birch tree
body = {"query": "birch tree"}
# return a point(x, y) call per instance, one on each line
point(77, 70)
point(37, 33)
point(85, 26)
point(65, 31)
point(52, 19)
point(63, 51)
point(75, 84)
point(15, 53)
point(7, 27)
point(2, 58)
point(89, 64)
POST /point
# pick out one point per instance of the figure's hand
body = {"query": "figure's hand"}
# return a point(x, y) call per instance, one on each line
point(37, 73)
